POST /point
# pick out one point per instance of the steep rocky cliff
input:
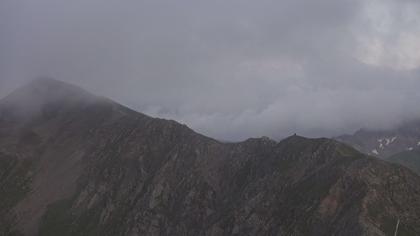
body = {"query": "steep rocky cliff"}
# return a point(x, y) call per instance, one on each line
point(72, 163)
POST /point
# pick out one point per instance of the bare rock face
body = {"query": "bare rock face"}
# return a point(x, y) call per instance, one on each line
point(77, 164)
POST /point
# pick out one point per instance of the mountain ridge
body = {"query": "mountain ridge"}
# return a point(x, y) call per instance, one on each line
point(397, 145)
point(384, 143)
point(95, 168)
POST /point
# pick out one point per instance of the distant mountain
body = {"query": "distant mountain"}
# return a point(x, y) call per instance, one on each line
point(385, 143)
point(72, 163)
point(400, 145)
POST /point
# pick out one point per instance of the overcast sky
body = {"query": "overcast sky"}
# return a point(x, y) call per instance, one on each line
point(230, 69)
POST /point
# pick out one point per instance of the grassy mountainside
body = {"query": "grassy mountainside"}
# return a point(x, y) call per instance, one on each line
point(409, 159)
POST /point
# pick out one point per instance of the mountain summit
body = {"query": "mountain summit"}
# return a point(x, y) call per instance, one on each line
point(43, 94)
point(81, 165)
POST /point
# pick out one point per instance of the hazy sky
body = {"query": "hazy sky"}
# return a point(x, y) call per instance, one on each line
point(230, 69)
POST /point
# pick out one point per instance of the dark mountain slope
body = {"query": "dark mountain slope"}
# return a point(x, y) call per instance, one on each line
point(83, 165)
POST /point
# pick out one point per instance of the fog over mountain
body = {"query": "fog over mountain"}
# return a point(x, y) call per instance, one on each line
point(229, 69)
point(73, 163)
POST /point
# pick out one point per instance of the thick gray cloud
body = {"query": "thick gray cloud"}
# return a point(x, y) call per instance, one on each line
point(228, 68)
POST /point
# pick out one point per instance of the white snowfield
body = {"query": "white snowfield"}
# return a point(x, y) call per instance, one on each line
point(383, 142)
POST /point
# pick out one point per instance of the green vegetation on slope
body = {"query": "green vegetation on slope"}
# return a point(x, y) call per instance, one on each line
point(409, 159)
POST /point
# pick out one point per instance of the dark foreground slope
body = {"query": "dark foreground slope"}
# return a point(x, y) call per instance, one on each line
point(75, 164)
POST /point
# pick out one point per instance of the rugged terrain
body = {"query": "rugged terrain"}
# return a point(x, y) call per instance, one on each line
point(385, 143)
point(72, 163)
point(399, 145)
